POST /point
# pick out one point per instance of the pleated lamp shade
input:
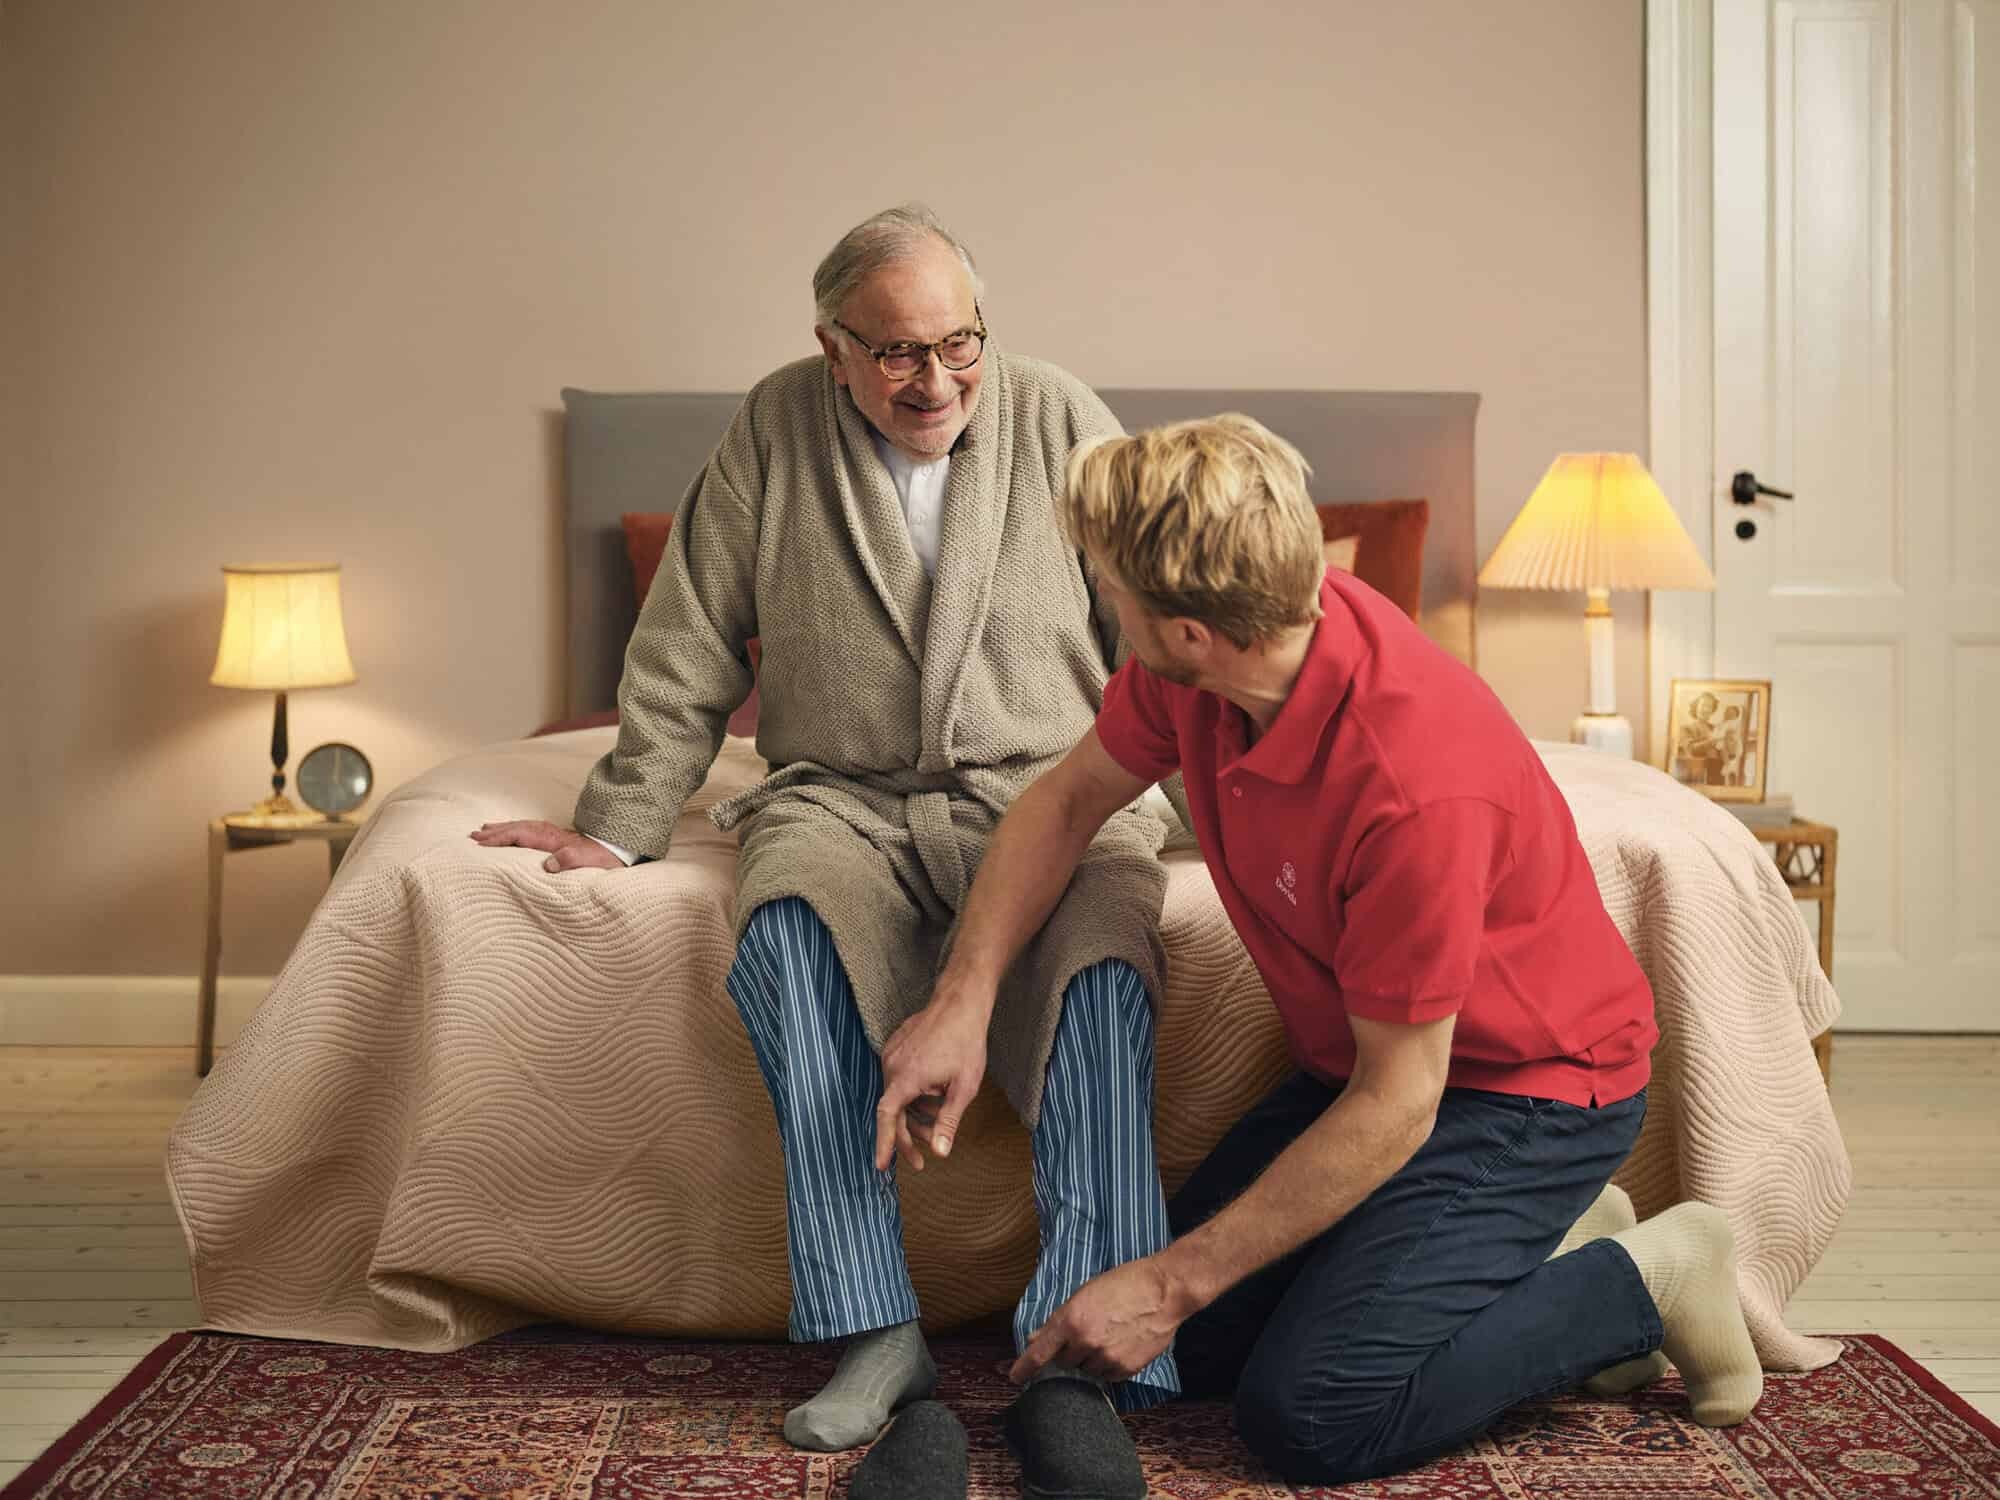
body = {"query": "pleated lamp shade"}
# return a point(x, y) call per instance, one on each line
point(1596, 521)
point(281, 628)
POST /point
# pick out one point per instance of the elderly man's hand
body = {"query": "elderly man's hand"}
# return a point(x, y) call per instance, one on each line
point(931, 1069)
point(567, 849)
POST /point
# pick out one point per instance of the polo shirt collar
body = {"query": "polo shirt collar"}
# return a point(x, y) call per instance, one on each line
point(1290, 747)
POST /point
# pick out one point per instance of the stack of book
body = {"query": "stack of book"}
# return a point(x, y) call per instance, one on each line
point(1775, 811)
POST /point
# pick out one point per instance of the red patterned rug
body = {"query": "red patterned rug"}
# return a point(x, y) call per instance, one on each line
point(575, 1416)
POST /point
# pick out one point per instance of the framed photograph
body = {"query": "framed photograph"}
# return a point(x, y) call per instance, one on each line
point(1718, 737)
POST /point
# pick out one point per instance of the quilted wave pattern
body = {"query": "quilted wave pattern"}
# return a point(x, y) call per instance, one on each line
point(1738, 1115)
point(480, 1096)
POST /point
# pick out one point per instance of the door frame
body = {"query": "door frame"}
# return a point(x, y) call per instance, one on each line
point(1680, 327)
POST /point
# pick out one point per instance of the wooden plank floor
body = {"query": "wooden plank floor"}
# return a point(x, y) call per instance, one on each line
point(92, 1273)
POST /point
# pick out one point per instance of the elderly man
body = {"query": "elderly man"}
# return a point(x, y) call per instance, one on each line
point(882, 516)
point(1365, 1259)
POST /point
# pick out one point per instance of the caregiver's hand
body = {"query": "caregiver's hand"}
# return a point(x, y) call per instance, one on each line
point(566, 848)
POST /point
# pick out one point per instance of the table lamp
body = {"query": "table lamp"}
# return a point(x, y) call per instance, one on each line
point(1597, 522)
point(281, 630)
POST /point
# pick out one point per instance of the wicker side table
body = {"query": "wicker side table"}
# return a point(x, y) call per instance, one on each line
point(1807, 853)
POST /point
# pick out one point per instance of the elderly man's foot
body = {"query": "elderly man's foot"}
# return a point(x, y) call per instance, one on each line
point(880, 1372)
point(1611, 1214)
point(1071, 1443)
point(921, 1457)
point(1687, 1258)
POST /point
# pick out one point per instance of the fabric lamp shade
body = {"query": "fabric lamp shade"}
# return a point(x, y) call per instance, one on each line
point(281, 628)
point(1596, 521)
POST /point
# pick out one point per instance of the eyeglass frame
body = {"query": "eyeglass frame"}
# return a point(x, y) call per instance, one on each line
point(925, 351)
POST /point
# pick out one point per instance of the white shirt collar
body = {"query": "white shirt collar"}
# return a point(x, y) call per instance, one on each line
point(920, 492)
point(902, 467)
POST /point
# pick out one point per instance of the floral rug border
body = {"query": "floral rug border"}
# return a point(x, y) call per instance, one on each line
point(142, 1376)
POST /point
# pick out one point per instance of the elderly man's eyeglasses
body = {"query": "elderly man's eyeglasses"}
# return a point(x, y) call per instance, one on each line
point(955, 351)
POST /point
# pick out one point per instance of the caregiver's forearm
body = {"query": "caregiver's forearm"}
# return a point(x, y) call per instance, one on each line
point(1361, 1141)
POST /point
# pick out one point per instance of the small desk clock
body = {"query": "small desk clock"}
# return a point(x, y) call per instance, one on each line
point(334, 779)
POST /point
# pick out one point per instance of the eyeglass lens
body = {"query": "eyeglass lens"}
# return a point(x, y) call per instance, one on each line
point(959, 352)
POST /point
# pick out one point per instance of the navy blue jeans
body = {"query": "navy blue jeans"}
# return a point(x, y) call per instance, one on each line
point(1405, 1329)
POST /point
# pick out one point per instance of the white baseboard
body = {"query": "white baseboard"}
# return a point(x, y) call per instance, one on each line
point(119, 1010)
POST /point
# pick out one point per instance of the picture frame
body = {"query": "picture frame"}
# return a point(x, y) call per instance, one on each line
point(1718, 736)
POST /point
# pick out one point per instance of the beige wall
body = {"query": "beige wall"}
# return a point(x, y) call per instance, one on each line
point(302, 280)
point(17, 513)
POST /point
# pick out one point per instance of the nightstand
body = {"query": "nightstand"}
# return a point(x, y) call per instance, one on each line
point(228, 835)
point(1806, 853)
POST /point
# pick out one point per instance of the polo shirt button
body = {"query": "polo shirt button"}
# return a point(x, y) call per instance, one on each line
point(1237, 790)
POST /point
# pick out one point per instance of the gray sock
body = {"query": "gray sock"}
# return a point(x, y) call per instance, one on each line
point(921, 1457)
point(879, 1372)
point(1071, 1443)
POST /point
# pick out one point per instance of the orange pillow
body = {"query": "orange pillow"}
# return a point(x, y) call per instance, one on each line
point(1388, 545)
point(645, 545)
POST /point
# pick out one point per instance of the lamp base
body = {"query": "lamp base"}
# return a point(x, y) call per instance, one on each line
point(277, 805)
point(1611, 733)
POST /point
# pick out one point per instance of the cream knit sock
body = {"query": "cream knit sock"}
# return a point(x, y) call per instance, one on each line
point(1610, 1213)
point(1607, 1216)
point(1687, 1258)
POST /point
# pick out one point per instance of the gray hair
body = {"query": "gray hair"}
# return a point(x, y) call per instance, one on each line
point(877, 241)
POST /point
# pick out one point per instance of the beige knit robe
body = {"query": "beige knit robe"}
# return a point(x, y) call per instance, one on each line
point(900, 716)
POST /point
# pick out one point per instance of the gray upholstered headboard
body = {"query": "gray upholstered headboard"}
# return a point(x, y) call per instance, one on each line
point(637, 451)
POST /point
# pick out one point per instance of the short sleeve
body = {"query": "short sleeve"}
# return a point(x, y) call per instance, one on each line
point(1414, 919)
point(1136, 724)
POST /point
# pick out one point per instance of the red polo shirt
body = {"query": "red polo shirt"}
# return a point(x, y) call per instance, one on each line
point(1393, 848)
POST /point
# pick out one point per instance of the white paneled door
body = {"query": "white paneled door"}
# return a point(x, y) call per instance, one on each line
point(1856, 222)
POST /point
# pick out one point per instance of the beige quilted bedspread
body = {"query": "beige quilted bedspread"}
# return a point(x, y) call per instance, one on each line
point(480, 1096)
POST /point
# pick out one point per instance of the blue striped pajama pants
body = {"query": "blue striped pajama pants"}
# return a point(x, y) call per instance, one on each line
point(1097, 1187)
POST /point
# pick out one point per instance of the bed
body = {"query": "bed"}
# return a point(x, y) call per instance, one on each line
point(479, 1097)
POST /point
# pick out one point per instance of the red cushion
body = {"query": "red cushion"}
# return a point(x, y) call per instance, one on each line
point(1389, 550)
point(645, 545)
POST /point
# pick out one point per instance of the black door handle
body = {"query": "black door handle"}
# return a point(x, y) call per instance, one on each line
point(1744, 489)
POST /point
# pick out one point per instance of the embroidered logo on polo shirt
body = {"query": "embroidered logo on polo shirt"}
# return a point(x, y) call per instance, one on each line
point(1287, 879)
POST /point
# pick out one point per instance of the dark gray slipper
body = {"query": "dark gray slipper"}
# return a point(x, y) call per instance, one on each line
point(1071, 1444)
point(920, 1457)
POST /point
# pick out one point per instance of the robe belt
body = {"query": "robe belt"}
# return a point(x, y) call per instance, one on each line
point(929, 816)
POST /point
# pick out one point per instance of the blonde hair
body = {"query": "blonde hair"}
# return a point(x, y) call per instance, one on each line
point(1206, 520)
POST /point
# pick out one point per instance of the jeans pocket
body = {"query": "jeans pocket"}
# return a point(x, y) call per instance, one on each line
point(1475, 1127)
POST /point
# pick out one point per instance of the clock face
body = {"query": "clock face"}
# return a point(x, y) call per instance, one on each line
point(334, 779)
